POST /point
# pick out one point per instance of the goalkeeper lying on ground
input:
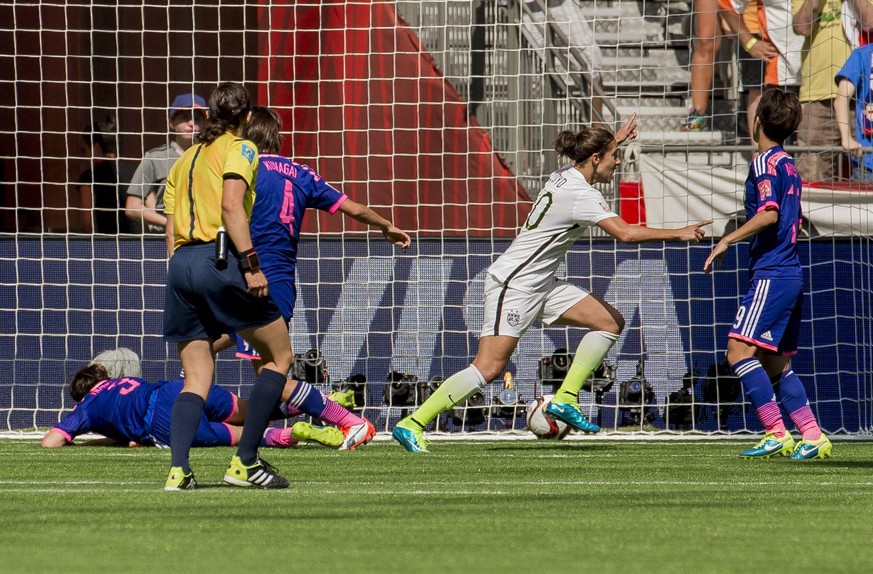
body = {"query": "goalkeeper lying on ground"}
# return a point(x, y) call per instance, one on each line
point(129, 410)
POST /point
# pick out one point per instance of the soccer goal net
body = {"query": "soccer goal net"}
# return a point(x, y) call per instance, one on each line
point(440, 115)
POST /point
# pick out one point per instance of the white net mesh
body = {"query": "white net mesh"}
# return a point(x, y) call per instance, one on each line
point(440, 114)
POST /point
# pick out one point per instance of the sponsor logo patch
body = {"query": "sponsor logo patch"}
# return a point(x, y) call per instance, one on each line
point(764, 189)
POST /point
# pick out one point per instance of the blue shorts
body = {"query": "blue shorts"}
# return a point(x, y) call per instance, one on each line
point(769, 316)
point(205, 302)
point(284, 294)
point(212, 431)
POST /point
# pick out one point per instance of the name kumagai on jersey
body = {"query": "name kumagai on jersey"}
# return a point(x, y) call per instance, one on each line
point(284, 189)
point(563, 210)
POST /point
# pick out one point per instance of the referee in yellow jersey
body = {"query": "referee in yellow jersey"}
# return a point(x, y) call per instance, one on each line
point(212, 290)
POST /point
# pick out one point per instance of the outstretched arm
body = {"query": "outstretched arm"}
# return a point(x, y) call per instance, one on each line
point(761, 221)
point(366, 215)
point(626, 233)
point(54, 439)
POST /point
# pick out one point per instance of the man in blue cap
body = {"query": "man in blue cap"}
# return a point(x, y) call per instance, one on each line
point(145, 195)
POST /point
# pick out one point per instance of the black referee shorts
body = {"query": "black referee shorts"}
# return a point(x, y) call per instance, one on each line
point(204, 302)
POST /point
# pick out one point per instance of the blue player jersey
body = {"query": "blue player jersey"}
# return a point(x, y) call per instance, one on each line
point(283, 191)
point(858, 70)
point(773, 183)
point(116, 408)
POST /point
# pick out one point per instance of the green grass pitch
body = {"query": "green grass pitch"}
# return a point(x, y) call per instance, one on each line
point(489, 506)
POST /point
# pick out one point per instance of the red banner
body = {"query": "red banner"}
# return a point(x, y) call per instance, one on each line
point(364, 104)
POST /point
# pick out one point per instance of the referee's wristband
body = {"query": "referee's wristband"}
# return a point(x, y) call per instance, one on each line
point(248, 261)
point(750, 44)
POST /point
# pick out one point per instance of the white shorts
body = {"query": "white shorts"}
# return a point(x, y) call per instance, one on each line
point(511, 312)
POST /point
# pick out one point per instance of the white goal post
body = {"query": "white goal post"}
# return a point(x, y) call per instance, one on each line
point(440, 114)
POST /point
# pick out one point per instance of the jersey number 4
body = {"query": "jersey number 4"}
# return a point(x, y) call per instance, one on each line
point(286, 215)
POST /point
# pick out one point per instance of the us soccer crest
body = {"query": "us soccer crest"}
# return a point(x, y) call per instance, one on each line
point(513, 317)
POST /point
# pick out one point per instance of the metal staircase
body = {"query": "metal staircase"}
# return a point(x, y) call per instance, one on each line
point(525, 98)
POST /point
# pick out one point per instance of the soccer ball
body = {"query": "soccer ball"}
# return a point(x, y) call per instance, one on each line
point(542, 426)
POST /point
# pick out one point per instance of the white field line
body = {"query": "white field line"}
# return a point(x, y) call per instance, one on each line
point(483, 437)
point(424, 487)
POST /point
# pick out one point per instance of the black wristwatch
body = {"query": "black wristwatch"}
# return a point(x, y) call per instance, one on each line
point(248, 261)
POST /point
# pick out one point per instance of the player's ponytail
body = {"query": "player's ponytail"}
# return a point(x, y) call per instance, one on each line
point(229, 104)
point(83, 381)
point(580, 146)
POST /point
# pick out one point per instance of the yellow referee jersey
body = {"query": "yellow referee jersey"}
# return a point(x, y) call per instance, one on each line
point(194, 186)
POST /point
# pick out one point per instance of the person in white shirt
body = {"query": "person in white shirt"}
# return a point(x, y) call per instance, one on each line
point(521, 286)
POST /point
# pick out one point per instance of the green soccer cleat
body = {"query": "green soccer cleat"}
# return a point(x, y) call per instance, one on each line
point(810, 449)
point(178, 480)
point(261, 474)
point(412, 439)
point(770, 445)
point(344, 398)
point(326, 435)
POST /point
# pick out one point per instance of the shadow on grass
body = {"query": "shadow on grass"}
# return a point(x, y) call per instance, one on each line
point(843, 463)
point(552, 445)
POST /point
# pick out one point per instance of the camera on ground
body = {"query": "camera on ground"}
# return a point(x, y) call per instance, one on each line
point(552, 370)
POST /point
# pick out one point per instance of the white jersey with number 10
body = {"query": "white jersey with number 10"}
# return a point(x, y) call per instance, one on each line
point(566, 207)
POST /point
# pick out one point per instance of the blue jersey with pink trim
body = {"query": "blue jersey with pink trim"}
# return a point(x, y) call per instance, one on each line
point(116, 408)
point(283, 191)
point(773, 183)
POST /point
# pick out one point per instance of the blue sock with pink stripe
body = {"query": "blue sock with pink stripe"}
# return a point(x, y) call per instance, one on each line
point(793, 396)
point(307, 399)
point(758, 388)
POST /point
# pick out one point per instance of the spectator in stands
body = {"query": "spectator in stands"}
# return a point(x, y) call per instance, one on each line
point(521, 286)
point(742, 22)
point(145, 195)
point(564, 14)
point(131, 411)
point(102, 185)
point(826, 50)
point(853, 81)
point(705, 40)
point(776, 44)
point(213, 291)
